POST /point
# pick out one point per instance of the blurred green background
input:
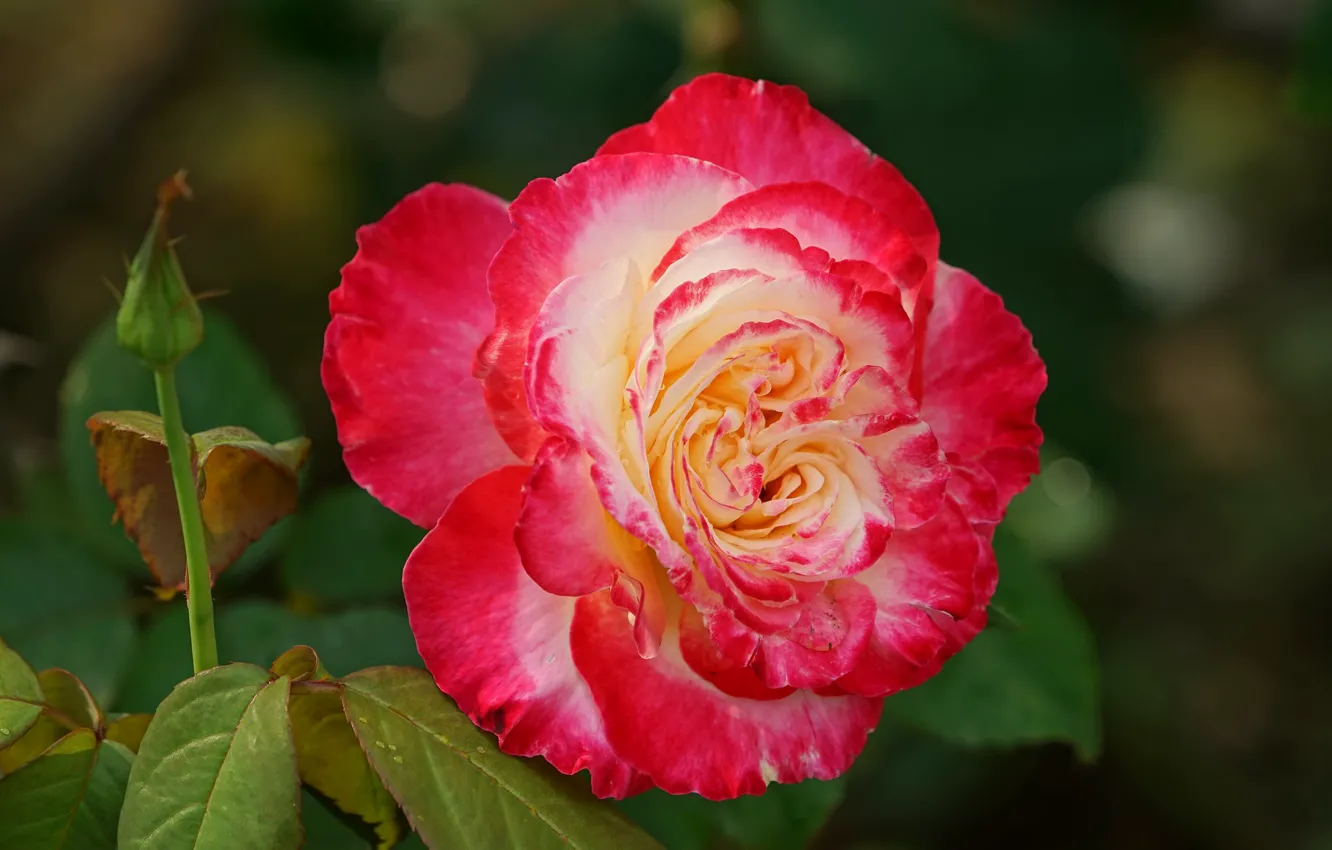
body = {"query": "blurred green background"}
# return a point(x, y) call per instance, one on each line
point(1148, 183)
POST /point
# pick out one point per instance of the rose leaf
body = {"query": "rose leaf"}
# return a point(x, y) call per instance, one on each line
point(217, 767)
point(457, 789)
point(20, 696)
point(245, 485)
point(70, 797)
point(331, 761)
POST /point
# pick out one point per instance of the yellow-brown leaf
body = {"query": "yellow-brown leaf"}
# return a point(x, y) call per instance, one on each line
point(245, 485)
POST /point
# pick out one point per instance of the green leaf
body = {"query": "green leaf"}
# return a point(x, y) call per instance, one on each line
point(127, 730)
point(67, 706)
point(20, 696)
point(63, 692)
point(785, 817)
point(258, 632)
point(61, 608)
point(1033, 681)
point(217, 768)
point(456, 788)
point(222, 382)
point(300, 664)
point(330, 760)
point(326, 829)
point(245, 486)
point(69, 798)
point(349, 548)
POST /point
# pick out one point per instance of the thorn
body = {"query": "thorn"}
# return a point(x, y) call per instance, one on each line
point(212, 293)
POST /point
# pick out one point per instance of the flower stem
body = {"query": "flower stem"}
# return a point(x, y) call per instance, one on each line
point(198, 589)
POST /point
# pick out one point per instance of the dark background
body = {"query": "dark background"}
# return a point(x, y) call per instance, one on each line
point(1148, 183)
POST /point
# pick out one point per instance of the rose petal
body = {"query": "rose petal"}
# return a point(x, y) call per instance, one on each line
point(980, 379)
point(407, 320)
point(623, 207)
point(563, 533)
point(499, 645)
point(770, 134)
point(824, 644)
point(570, 546)
point(577, 369)
point(925, 585)
point(577, 376)
point(731, 676)
point(870, 326)
point(675, 726)
point(818, 215)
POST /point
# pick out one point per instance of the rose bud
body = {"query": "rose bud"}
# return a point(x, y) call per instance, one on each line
point(159, 319)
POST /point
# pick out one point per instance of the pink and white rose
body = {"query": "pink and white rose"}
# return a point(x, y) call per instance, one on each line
point(710, 442)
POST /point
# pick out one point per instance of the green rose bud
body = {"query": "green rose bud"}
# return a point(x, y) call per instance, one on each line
point(159, 319)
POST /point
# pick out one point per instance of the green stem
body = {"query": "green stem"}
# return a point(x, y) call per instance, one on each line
point(198, 588)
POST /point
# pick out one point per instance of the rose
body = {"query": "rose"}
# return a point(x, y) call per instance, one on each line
point(711, 444)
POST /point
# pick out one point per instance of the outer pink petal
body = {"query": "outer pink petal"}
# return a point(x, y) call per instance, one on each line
point(630, 207)
point(499, 644)
point(770, 134)
point(928, 584)
point(691, 737)
point(980, 379)
point(398, 354)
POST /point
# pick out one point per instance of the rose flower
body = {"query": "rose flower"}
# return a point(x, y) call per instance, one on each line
point(710, 442)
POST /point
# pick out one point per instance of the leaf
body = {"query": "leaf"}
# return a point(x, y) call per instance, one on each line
point(127, 730)
point(63, 692)
point(66, 706)
point(784, 817)
point(327, 829)
point(328, 757)
point(20, 696)
point(349, 548)
point(69, 798)
point(456, 788)
point(217, 768)
point(39, 738)
point(300, 664)
point(245, 485)
point(330, 760)
point(1034, 681)
point(61, 608)
point(222, 382)
point(258, 632)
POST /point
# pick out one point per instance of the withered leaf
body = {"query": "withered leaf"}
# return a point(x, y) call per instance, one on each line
point(245, 485)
